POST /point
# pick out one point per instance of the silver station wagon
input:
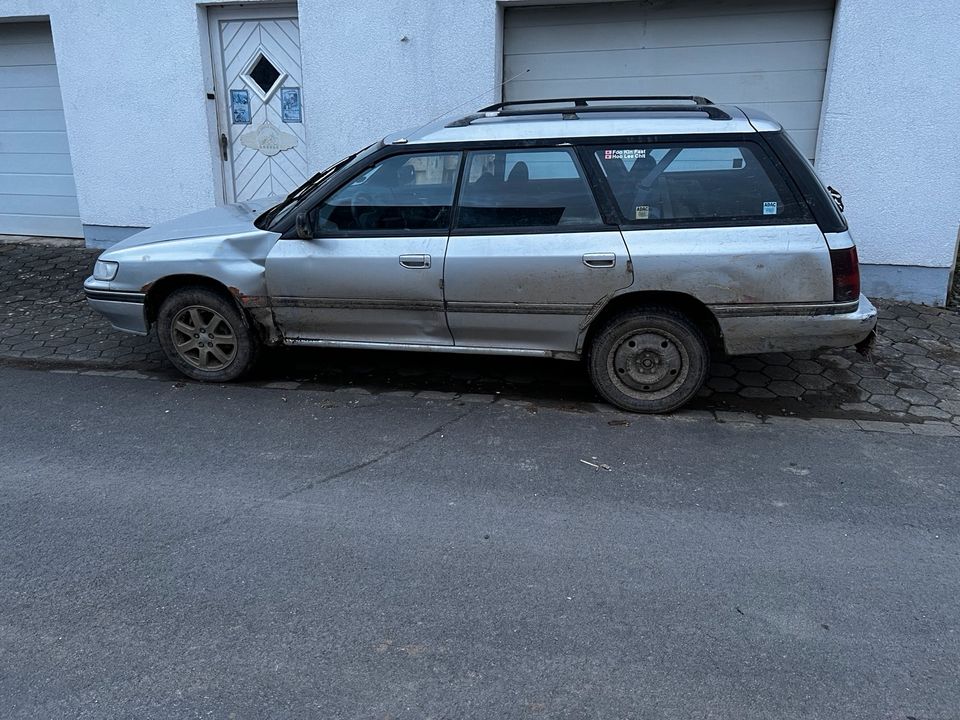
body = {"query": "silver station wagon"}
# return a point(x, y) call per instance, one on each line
point(640, 234)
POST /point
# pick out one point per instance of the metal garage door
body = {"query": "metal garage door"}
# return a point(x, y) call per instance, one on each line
point(768, 55)
point(37, 192)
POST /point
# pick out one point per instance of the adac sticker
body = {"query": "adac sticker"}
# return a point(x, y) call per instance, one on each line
point(643, 212)
point(770, 208)
point(624, 154)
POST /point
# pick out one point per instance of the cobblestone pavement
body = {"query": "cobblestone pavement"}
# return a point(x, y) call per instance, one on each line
point(912, 376)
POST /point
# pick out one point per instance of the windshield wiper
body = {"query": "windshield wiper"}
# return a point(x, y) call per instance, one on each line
point(299, 192)
point(836, 195)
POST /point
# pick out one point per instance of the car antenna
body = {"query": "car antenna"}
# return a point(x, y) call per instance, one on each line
point(499, 86)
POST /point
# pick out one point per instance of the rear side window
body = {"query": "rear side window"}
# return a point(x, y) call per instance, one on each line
point(402, 193)
point(525, 189)
point(676, 183)
point(825, 210)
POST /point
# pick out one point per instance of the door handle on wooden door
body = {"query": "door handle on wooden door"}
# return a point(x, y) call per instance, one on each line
point(224, 144)
point(415, 262)
point(600, 260)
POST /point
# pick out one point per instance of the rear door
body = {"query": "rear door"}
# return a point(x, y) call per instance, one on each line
point(529, 255)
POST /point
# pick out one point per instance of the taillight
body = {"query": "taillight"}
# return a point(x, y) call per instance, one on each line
point(846, 274)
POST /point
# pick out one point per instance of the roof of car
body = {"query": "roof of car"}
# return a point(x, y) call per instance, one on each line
point(590, 117)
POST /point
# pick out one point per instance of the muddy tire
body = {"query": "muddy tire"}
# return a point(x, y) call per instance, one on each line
point(649, 360)
point(206, 336)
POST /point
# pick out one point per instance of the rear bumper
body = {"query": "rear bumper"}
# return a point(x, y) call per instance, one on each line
point(749, 334)
point(125, 310)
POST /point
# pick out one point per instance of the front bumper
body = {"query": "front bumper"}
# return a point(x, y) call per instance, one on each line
point(787, 333)
point(125, 310)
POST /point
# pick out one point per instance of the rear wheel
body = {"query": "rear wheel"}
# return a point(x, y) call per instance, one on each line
point(649, 360)
point(205, 335)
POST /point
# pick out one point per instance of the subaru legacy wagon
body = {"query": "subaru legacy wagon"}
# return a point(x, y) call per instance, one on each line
point(641, 235)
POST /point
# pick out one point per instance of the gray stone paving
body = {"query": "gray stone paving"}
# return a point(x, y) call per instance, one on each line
point(44, 315)
point(913, 374)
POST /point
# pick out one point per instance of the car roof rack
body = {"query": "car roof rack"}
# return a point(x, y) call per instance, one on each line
point(577, 106)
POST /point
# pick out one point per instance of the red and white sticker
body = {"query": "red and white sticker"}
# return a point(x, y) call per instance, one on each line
point(624, 154)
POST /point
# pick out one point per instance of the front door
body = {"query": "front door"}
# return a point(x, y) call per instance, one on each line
point(374, 270)
point(261, 143)
point(529, 256)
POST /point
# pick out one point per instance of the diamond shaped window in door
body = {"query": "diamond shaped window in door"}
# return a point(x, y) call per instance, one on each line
point(263, 75)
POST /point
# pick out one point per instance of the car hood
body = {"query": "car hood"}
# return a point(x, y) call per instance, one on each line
point(225, 220)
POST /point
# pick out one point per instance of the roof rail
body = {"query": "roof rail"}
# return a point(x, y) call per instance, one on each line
point(583, 105)
point(585, 101)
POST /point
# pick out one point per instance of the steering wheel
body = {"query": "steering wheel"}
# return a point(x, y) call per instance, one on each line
point(359, 204)
point(370, 201)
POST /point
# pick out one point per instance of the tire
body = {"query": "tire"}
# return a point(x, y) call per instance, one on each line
point(224, 345)
point(649, 360)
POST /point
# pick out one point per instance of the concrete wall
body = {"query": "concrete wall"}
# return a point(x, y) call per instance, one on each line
point(134, 77)
point(890, 140)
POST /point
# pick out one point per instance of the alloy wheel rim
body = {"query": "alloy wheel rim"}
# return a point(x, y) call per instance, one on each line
point(204, 338)
point(649, 364)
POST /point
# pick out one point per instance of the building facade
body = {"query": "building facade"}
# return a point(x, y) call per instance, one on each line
point(116, 114)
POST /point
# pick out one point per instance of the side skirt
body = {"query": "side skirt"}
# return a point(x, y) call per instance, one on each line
point(416, 347)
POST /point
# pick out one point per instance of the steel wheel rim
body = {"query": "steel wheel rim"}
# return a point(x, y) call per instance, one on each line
point(203, 338)
point(648, 364)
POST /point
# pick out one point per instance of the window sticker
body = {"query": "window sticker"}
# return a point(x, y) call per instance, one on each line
point(290, 105)
point(627, 154)
point(643, 212)
point(770, 208)
point(240, 107)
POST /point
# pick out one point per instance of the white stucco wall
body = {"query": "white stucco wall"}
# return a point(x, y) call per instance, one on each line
point(134, 77)
point(890, 135)
point(370, 82)
point(133, 94)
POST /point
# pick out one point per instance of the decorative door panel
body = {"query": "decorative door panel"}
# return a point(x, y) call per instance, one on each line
point(258, 76)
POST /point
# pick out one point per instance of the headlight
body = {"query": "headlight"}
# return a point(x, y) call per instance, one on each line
point(105, 270)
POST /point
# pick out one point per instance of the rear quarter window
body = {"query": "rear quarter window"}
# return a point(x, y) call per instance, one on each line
point(677, 183)
point(812, 189)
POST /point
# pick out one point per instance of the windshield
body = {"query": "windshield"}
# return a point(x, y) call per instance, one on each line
point(281, 210)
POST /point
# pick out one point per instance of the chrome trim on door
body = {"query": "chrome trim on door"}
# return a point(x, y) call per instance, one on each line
point(431, 305)
point(600, 260)
point(415, 262)
point(357, 304)
point(522, 308)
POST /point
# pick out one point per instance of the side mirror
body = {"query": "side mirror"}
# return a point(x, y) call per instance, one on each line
point(304, 227)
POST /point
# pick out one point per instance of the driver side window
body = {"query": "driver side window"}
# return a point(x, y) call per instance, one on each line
point(404, 193)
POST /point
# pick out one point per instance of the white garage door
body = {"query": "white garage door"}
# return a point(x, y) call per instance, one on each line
point(37, 192)
point(768, 55)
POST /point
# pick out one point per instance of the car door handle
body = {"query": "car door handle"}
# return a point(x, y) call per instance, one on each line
point(600, 260)
point(415, 262)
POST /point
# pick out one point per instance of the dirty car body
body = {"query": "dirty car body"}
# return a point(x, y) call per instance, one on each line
point(529, 229)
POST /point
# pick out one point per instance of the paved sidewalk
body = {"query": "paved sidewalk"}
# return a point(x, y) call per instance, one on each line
point(912, 376)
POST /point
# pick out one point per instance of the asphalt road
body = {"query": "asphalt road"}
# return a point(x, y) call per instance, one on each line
point(183, 551)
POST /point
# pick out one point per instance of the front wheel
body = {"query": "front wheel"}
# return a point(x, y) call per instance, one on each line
point(205, 335)
point(649, 360)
